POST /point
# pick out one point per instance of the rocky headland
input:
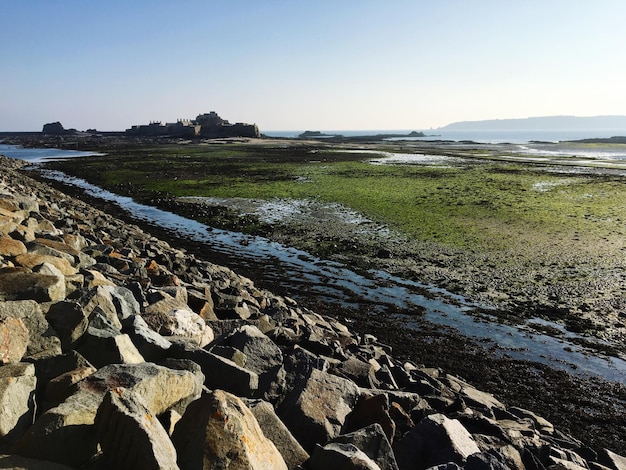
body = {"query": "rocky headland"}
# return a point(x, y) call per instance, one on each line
point(121, 351)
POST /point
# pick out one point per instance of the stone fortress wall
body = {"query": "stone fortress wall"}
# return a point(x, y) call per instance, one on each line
point(207, 125)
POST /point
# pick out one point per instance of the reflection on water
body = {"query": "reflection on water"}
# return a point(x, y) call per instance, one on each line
point(41, 155)
point(334, 282)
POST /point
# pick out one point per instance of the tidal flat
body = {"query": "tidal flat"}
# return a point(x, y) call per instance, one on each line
point(529, 236)
point(522, 233)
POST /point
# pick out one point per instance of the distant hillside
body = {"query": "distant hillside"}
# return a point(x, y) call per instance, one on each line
point(542, 123)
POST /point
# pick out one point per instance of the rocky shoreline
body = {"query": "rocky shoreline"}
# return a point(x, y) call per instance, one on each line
point(120, 351)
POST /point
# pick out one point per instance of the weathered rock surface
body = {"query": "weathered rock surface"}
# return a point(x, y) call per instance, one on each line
point(17, 401)
point(130, 435)
point(13, 340)
point(86, 300)
point(65, 433)
point(276, 431)
point(317, 408)
point(434, 441)
point(219, 431)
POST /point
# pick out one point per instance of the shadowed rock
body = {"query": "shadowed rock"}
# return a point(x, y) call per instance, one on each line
point(317, 408)
point(17, 401)
point(130, 434)
point(65, 433)
point(276, 431)
point(22, 284)
point(340, 456)
point(13, 339)
point(17, 462)
point(434, 441)
point(373, 442)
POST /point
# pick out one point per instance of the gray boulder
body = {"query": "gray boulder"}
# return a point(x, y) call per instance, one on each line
point(434, 441)
point(316, 408)
point(220, 373)
point(277, 432)
point(130, 435)
point(13, 340)
point(102, 347)
point(152, 346)
point(17, 401)
point(42, 339)
point(341, 456)
point(372, 441)
point(65, 433)
point(263, 357)
point(114, 302)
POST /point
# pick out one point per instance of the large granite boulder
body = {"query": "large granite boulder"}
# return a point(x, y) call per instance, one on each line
point(65, 434)
point(277, 432)
point(17, 401)
point(436, 440)
point(13, 339)
point(315, 410)
point(219, 431)
point(130, 435)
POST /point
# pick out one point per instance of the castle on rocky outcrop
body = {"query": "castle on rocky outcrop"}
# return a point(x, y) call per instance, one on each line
point(207, 125)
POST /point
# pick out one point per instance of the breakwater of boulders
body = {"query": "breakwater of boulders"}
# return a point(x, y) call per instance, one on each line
point(120, 351)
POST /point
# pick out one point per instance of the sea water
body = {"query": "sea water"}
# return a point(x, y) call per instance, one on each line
point(38, 155)
point(486, 137)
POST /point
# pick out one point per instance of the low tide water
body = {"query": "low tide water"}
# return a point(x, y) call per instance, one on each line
point(332, 282)
point(481, 136)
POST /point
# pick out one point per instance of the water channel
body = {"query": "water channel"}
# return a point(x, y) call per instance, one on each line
point(336, 283)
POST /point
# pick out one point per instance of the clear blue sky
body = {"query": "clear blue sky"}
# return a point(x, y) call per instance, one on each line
point(318, 65)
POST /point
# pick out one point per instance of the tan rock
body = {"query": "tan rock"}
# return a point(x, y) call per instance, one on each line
point(75, 241)
point(219, 431)
point(42, 339)
point(13, 339)
point(66, 434)
point(30, 260)
point(17, 400)
point(21, 284)
point(11, 247)
point(46, 227)
point(9, 203)
point(7, 224)
point(17, 217)
point(95, 279)
point(130, 434)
